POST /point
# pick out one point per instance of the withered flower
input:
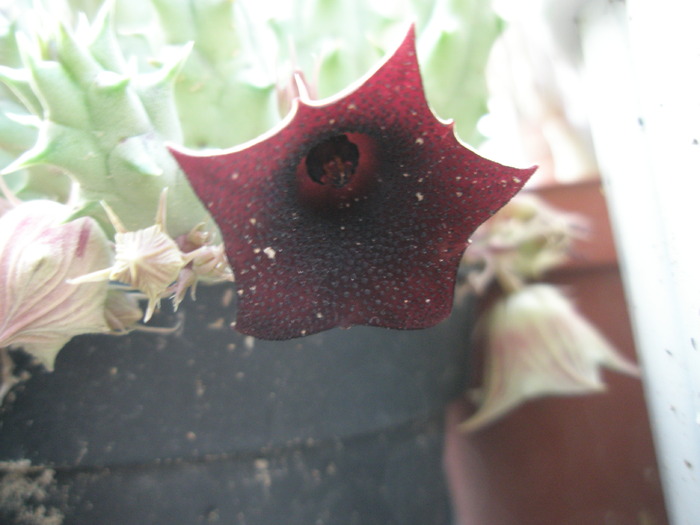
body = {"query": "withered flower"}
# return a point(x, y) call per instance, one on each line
point(539, 345)
point(148, 259)
point(525, 239)
point(40, 251)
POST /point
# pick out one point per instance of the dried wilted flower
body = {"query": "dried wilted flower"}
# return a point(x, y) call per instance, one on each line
point(539, 345)
point(525, 239)
point(148, 260)
point(152, 262)
point(40, 250)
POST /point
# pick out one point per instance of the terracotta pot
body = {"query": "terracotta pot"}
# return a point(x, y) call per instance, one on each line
point(208, 426)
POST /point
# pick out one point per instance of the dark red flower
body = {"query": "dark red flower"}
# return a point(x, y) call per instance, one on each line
point(356, 210)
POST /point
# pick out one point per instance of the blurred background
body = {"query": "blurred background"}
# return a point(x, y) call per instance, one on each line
point(603, 96)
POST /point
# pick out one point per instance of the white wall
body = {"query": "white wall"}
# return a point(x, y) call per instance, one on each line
point(641, 62)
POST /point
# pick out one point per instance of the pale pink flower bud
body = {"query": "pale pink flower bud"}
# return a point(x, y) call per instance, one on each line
point(40, 250)
point(122, 311)
point(5, 206)
point(208, 263)
point(123, 314)
point(539, 345)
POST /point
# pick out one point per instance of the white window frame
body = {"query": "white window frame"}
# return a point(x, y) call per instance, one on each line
point(641, 65)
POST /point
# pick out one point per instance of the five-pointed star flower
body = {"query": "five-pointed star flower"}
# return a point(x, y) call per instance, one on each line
point(355, 210)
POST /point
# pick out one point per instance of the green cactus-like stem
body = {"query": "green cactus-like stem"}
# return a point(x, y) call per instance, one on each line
point(337, 42)
point(457, 42)
point(224, 94)
point(104, 126)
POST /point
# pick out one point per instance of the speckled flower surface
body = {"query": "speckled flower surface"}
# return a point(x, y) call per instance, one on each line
point(323, 234)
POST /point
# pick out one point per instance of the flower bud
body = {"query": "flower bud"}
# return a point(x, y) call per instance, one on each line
point(538, 345)
point(40, 250)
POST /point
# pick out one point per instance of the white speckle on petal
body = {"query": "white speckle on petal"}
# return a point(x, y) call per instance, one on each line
point(419, 196)
point(270, 252)
point(420, 141)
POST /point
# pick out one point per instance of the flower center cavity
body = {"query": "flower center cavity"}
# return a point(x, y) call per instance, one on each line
point(333, 161)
